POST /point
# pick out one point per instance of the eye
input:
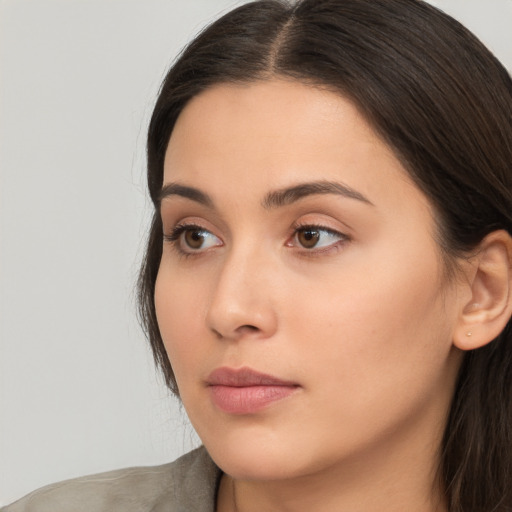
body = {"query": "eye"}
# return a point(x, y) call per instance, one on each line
point(316, 237)
point(191, 238)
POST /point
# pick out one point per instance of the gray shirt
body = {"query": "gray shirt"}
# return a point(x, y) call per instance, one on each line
point(187, 485)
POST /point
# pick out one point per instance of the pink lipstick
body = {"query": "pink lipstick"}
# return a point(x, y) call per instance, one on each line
point(246, 391)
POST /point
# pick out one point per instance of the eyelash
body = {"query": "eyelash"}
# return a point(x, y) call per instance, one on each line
point(343, 238)
point(180, 229)
point(174, 238)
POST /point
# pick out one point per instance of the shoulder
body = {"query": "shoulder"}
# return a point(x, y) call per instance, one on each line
point(189, 483)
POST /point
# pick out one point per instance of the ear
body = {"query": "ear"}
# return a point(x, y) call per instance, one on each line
point(485, 315)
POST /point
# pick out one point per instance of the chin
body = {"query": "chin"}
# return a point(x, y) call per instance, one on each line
point(260, 454)
point(255, 464)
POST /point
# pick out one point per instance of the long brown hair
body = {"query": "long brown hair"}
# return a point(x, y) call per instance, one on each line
point(443, 103)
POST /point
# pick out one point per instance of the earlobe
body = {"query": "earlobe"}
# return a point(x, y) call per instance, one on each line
point(486, 314)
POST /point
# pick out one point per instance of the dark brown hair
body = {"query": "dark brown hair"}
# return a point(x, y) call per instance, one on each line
point(443, 103)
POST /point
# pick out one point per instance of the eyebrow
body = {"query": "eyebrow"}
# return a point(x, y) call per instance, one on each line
point(175, 189)
point(274, 199)
point(289, 195)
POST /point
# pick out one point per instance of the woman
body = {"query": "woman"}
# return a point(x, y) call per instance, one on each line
point(328, 273)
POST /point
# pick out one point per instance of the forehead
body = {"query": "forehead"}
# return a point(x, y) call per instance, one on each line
point(273, 134)
point(271, 114)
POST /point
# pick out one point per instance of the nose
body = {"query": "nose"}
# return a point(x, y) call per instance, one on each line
point(243, 301)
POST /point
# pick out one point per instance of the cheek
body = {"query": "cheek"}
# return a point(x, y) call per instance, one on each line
point(378, 326)
point(178, 305)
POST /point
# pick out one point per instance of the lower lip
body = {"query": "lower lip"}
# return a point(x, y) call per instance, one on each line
point(248, 399)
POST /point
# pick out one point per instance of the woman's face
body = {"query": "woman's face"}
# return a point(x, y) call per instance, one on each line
point(297, 247)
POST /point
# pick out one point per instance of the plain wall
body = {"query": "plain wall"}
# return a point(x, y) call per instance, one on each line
point(78, 78)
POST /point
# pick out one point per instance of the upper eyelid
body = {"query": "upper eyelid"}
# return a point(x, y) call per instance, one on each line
point(174, 206)
point(171, 217)
point(181, 227)
point(344, 231)
point(198, 222)
point(320, 227)
point(295, 227)
point(193, 222)
point(328, 230)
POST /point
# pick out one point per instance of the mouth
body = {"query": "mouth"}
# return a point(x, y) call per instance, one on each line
point(246, 391)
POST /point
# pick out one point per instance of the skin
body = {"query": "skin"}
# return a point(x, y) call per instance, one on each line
point(363, 322)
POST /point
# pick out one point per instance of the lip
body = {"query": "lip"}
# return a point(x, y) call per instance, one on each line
point(246, 391)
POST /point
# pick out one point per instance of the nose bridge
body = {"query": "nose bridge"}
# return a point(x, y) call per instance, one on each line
point(241, 301)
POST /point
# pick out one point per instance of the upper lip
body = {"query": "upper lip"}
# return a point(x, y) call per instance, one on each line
point(244, 377)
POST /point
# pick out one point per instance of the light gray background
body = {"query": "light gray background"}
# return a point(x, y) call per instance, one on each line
point(78, 78)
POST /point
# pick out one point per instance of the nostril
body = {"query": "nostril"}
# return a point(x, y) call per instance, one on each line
point(240, 331)
point(251, 328)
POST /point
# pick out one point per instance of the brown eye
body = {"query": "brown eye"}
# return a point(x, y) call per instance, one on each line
point(308, 237)
point(315, 238)
point(194, 238)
